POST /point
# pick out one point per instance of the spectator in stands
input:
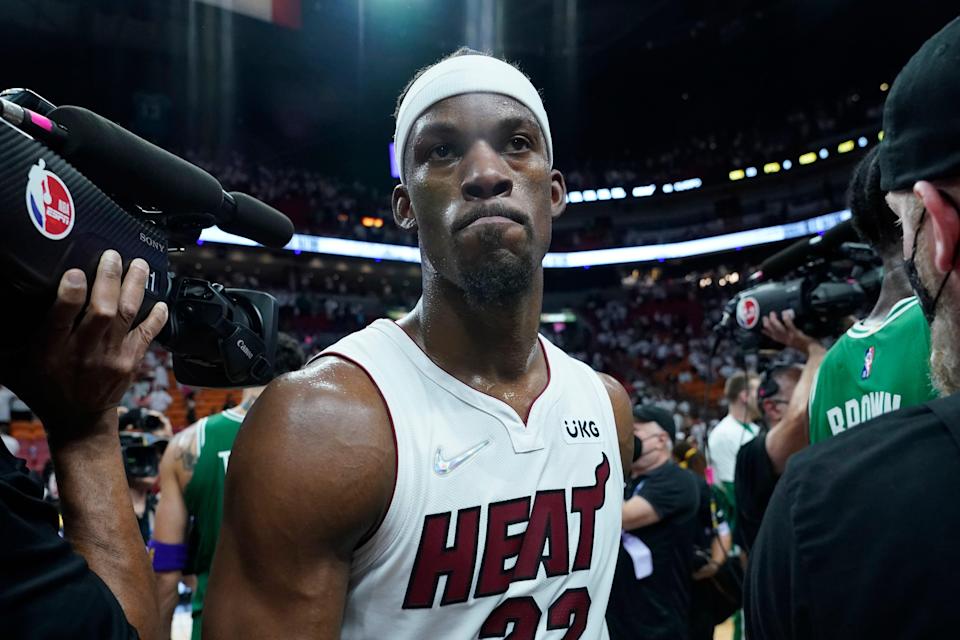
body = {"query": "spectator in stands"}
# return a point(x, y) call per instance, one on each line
point(95, 583)
point(192, 476)
point(650, 597)
point(158, 399)
point(859, 540)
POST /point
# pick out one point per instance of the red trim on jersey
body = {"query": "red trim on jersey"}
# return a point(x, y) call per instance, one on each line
point(396, 449)
point(529, 409)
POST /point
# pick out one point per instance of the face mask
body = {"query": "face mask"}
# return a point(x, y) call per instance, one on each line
point(927, 302)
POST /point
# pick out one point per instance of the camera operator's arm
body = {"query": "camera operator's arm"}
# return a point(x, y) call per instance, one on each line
point(170, 526)
point(791, 434)
point(73, 381)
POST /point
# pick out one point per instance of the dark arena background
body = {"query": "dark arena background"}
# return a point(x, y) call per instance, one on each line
point(697, 139)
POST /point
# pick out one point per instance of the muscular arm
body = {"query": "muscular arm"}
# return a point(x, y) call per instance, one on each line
point(170, 527)
point(792, 433)
point(623, 414)
point(311, 474)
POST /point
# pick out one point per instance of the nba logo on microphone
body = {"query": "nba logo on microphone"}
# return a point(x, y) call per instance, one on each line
point(49, 203)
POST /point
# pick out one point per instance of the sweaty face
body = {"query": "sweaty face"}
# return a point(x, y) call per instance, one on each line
point(481, 193)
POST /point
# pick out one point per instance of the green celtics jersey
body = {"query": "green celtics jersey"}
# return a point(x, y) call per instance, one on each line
point(204, 493)
point(872, 370)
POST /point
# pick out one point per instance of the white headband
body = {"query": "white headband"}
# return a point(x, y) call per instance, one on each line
point(466, 74)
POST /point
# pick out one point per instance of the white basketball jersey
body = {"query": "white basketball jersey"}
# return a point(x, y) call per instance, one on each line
point(496, 527)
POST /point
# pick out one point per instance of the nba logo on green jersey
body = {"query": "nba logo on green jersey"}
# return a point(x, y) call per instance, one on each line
point(867, 363)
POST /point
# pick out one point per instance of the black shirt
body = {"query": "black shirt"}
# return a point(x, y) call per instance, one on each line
point(754, 483)
point(658, 606)
point(861, 537)
point(46, 590)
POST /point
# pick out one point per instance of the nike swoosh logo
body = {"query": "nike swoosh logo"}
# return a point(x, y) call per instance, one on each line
point(442, 466)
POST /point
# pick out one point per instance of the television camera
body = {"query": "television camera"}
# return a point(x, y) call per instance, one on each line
point(73, 184)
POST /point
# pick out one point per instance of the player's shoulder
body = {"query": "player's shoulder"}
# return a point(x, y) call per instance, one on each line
point(322, 432)
point(329, 394)
point(615, 390)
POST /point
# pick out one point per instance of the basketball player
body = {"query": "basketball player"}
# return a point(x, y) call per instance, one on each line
point(451, 475)
point(192, 475)
point(882, 363)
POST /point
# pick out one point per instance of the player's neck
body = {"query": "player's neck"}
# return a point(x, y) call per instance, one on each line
point(894, 288)
point(497, 342)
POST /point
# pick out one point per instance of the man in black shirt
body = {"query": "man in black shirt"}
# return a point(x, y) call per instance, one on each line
point(97, 583)
point(860, 537)
point(783, 398)
point(650, 598)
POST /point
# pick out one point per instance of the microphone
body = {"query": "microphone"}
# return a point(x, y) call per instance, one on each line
point(250, 218)
point(146, 174)
point(799, 253)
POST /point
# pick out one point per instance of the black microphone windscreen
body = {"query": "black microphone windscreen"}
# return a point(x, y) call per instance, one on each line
point(258, 221)
point(799, 253)
point(132, 168)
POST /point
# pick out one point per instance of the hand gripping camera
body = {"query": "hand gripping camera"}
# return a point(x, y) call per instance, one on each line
point(73, 184)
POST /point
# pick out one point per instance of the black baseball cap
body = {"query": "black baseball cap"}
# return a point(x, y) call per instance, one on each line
point(921, 119)
point(653, 413)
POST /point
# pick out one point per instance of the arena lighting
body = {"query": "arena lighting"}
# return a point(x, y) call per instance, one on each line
point(618, 193)
point(824, 154)
point(884, 86)
point(862, 141)
point(771, 167)
point(574, 197)
point(565, 316)
point(808, 158)
point(371, 222)
point(583, 259)
point(603, 194)
point(846, 146)
point(688, 184)
point(880, 136)
point(787, 164)
point(668, 188)
point(700, 246)
point(644, 191)
point(589, 195)
point(737, 174)
point(751, 172)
